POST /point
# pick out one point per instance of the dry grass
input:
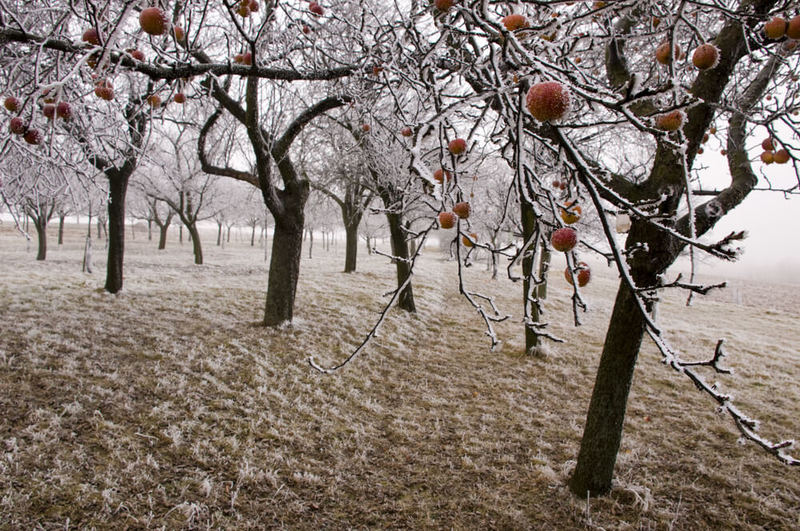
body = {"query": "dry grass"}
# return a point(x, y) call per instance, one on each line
point(167, 406)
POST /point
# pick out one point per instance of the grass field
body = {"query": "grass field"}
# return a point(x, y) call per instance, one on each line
point(167, 406)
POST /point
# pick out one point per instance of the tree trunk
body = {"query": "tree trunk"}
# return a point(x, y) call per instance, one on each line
point(603, 430)
point(118, 187)
point(180, 234)
point(61, 228)
point(544, 267)
point(162, 236)
point(41, 233)
point(87, 253)
point(219, 234)
point(133, 229)
point(369, 245)
point(351, 247)
point(228, 236)
point(528, 227)
point(310, 242)
point(149, 230)
point(284, 270)
point(253, 236)
point(196, 247)
point(400, 250)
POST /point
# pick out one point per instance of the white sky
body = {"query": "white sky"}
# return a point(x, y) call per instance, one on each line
point(772, 250)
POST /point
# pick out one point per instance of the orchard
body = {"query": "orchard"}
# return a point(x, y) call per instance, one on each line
point(598, 137)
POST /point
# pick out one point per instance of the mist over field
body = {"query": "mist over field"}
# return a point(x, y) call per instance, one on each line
point(168, 405)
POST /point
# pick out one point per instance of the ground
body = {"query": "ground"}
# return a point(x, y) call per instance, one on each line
point(168, 405)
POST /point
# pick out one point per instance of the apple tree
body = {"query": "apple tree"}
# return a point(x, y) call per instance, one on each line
point(610, 106)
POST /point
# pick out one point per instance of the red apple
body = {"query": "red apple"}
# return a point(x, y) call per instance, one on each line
point(136, 54)
point(253, 5)
point(781, 156)
point(447, 220)
point(564, 239)
point(775, 28)
point(179, 97)
point(316, 9)
point(406, 131)
point(548, 101)
point(49, 111)
point(306, 29)
point(768, 144)
point(662, 53)
point(33, 137)
point(514, 22)
point(705, 56)
point(444, 5)
point(179, 33)
point(462, 209)
point(11, 104)
point(153, 21)
point(793, 28)
point(16, 126)
point(91, 36)
point(570, 214)
point(365, 128)
point(244, 9)
point(582, 272)
point(457, 146)
point(64, 110)
point(473, 237)
point(671, 121)
point(104, 90)
point(440, 175)
point(767, 157)
point(154, 101)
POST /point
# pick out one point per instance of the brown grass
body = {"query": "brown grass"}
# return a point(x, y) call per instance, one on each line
point(167, 406)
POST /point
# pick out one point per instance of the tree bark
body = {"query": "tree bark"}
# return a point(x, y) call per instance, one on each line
point(219, 234)
point(162, 236)
point(118, 188)
point(400, 249)
point(197, 248)
point(41, 233)
point(61, 228)
point(310, 242)
point(149, 230)
point(529, 222)
point(603, 431)
point(351, 247)
point(284, 270)
point(180, 234)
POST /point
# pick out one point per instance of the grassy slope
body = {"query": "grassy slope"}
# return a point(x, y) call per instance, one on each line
point(168, 406)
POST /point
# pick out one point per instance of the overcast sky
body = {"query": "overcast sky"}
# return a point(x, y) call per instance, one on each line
point(772, 250)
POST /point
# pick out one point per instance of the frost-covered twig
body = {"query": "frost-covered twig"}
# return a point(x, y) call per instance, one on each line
point(746, 425)
point(694, 288)
point(374, 331)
